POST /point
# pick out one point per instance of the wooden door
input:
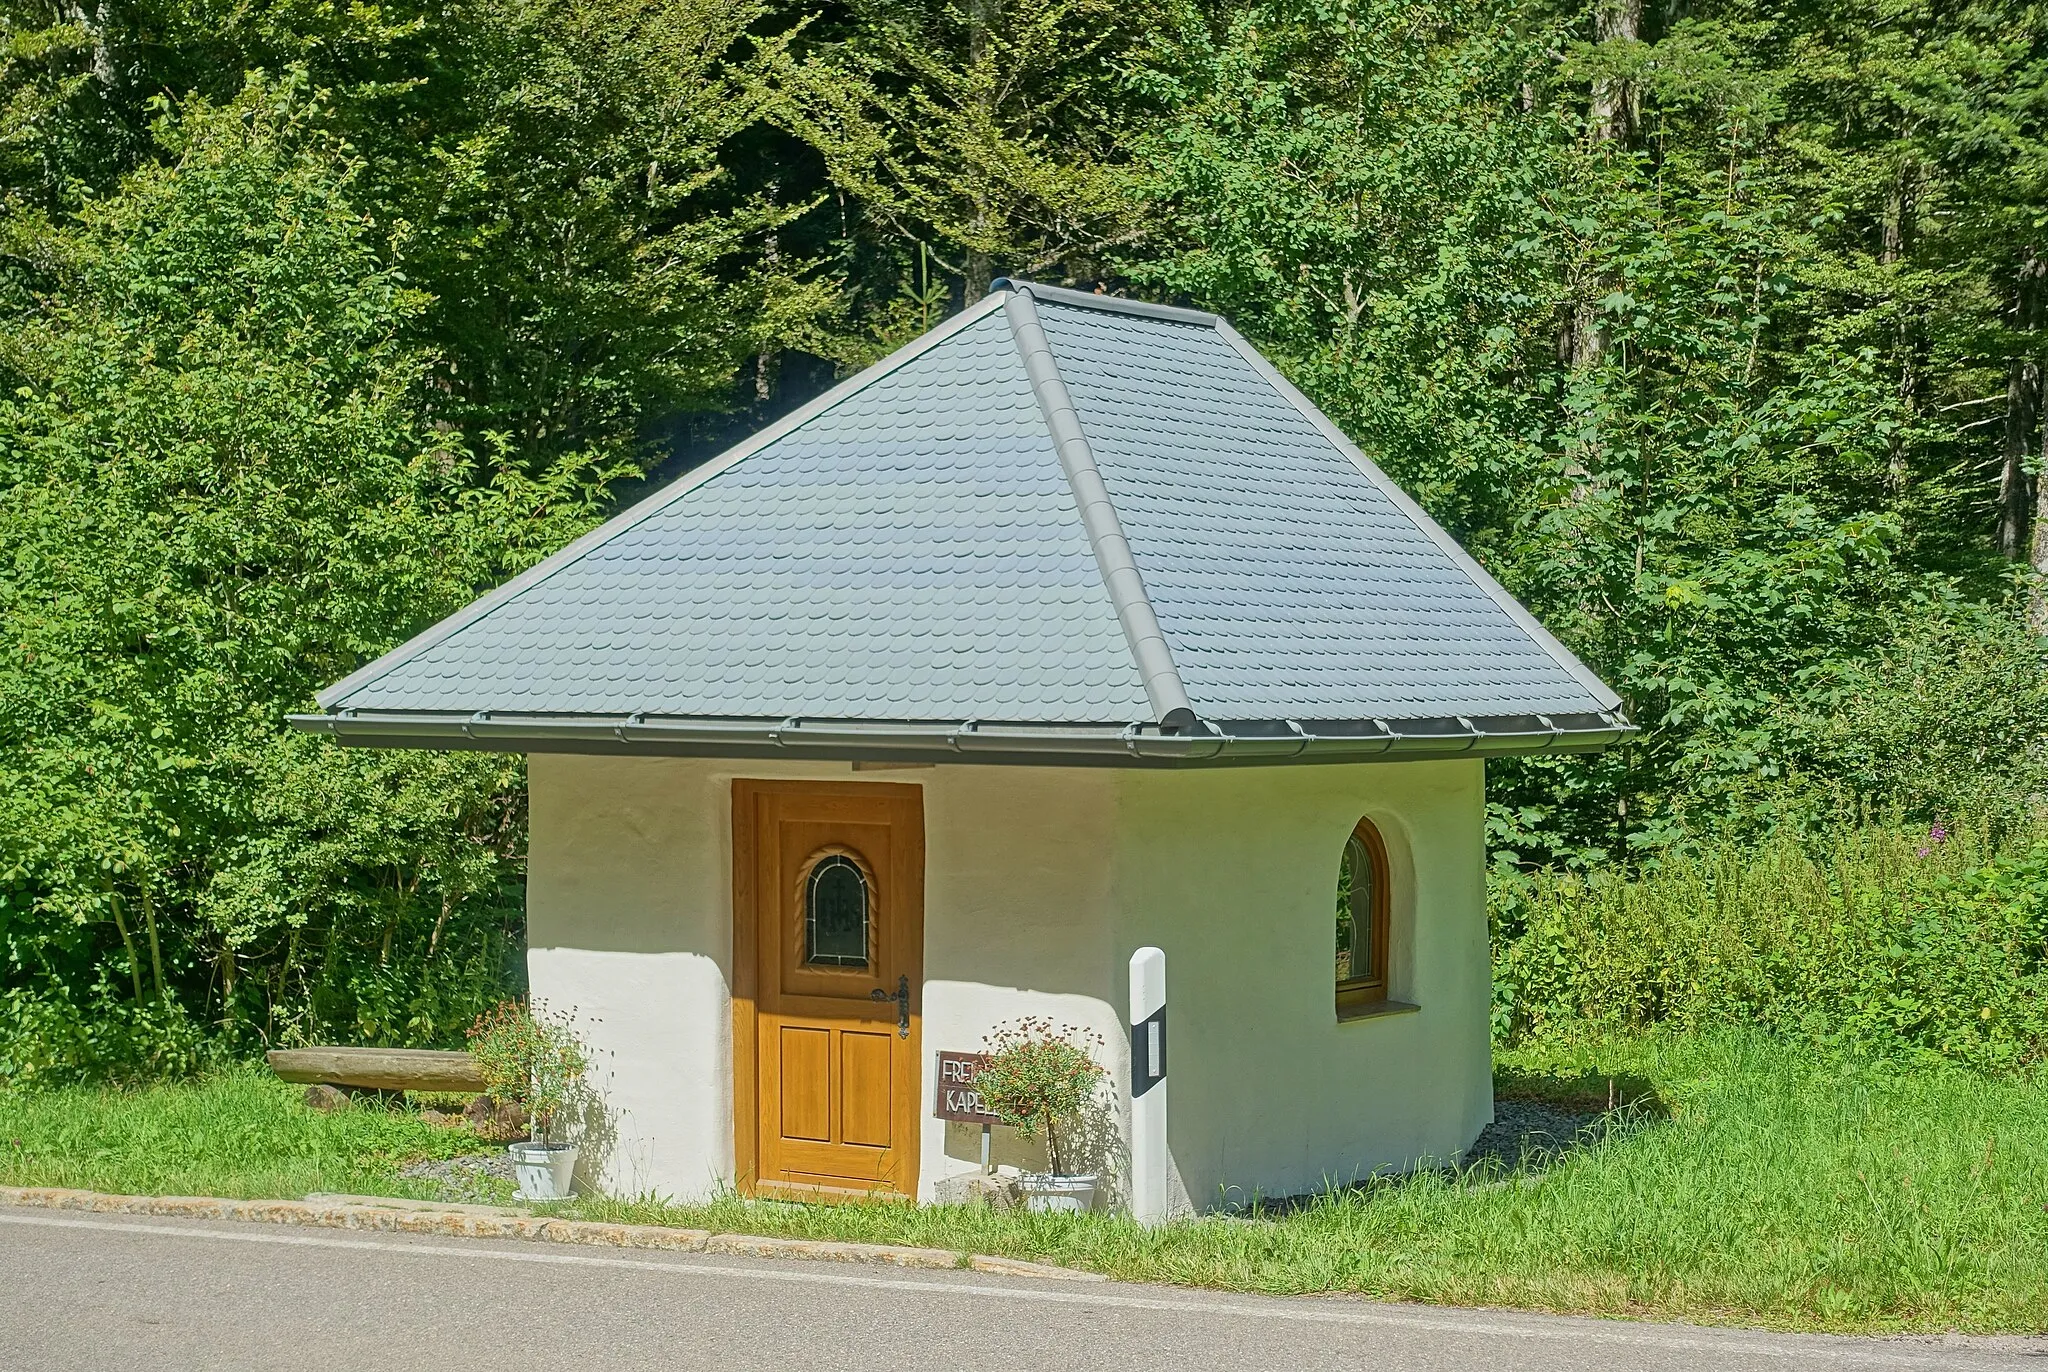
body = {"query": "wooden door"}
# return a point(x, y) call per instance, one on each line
point(828, 955)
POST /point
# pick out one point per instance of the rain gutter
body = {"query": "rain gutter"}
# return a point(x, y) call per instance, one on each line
point(1138, 744)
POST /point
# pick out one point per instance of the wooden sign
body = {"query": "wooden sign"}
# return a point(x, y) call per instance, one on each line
point(957, 1098)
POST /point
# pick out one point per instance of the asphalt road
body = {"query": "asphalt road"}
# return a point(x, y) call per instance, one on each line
point(107, 1293)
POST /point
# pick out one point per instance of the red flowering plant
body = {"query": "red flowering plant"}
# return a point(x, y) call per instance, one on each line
point(1039, 1077)
point(530, 1062)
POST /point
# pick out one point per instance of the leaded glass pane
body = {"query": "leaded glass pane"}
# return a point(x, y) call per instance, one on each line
point(1355, 885)
point(836, 915)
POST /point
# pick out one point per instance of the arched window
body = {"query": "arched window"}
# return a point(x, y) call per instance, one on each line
point(836, 913)
point(1363, 928)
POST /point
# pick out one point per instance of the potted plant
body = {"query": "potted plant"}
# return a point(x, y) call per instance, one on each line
point(538, 1065)
point(1040, 1079)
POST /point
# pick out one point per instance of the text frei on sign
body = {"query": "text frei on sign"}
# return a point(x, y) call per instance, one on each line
point(957, 1098)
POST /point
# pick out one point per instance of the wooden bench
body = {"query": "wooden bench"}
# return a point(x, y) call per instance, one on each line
point(379, 1069)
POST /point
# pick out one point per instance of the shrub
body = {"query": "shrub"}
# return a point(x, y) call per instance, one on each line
point(48, 1037)
point(1927, 945)
point(218, 492)
point(528, 1061)
point(1039, 1078)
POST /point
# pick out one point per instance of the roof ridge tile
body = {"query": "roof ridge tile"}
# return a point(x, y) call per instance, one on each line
point(1120, 575)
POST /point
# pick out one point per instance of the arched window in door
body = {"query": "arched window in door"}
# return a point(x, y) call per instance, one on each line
point(836, 913)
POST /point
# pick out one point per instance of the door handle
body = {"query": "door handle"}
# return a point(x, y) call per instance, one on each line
point(902, 999)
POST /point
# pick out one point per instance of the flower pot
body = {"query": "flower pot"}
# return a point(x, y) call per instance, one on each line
point(545, 1171)
point(1051, 1194)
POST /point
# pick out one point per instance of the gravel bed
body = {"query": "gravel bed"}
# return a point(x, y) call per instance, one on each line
point(472, 1178)
point(1531, 1135)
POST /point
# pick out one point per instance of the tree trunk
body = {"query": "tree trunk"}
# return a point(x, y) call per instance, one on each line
point(1614, 99)
point(1899, 225)
point(764, 363)
point(1588, 338)
point(134, 959)
point(979, 269)
point(1611, 118)
point(284, 978)
point(440, 923)
point(2022, 413)
point(978, 266)
point(94, 26)
point(156, 957)
point(2037, 598)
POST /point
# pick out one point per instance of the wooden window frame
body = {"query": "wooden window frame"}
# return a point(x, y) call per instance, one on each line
point(1367, 995)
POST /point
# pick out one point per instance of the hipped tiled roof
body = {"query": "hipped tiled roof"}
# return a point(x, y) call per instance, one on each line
point(917, 549)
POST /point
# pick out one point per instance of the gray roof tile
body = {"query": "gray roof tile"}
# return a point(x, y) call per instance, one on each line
point(908, 553)
point(908, 548)
point(1287, 583)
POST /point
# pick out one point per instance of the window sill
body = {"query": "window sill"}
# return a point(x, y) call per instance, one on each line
point(1379, 1009)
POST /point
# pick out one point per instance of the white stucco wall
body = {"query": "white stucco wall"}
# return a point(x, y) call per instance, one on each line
point(629, 927)
point(1040, 882)
point(1233, 873)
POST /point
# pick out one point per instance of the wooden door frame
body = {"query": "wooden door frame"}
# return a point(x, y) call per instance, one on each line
point(746, 971)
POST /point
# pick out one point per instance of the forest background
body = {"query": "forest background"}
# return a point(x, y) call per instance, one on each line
point(1716, 329)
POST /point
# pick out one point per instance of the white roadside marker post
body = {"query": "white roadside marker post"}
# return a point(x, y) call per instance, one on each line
point(1148, 1086)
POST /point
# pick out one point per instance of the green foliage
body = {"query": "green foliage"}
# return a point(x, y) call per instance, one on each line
point(554, 177)
point(65, 1035)
point(1038, 1078)
point(217, 493)
point(1701, 385)
point(968, 139)
point(1929, 946)
point(592, 267)
point(527, 1060)
point(1722, 341)
point(1394, 268)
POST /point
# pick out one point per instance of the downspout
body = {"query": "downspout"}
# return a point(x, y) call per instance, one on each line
point(1163, 688)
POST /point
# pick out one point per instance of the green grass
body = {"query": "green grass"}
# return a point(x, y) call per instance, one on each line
point(1757, 1186)
point(243, 1134)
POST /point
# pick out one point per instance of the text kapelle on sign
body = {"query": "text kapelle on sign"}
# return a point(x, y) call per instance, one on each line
point(957, 1098)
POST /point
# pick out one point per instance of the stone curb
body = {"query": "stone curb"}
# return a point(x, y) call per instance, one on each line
point(416, 1217)
point(1018, 1267)
point(758, 1246)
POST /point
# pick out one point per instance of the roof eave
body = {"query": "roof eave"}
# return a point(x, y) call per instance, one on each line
point(1137, 744)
